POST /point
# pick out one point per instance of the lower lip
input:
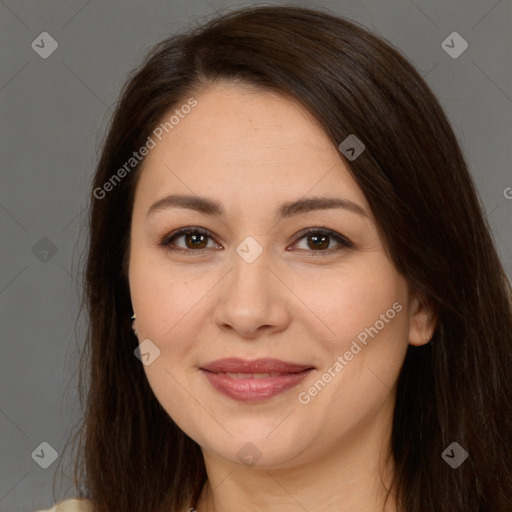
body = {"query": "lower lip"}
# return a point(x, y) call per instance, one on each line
point(254, 390)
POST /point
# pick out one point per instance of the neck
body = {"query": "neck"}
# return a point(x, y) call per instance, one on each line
point(354, 473)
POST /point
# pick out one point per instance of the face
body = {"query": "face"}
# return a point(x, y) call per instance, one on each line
point(247, 281)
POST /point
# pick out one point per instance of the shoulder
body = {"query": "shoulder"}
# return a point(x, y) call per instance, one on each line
point(72, 505)
point(81, 505)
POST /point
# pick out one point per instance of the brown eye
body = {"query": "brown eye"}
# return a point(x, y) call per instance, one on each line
point(318, 240)
point(194, 239)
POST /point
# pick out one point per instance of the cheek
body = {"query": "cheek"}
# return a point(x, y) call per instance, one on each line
point(345, 304)
point(167, 302)
point(166, 298)
point(364, 317)
point(368, 315)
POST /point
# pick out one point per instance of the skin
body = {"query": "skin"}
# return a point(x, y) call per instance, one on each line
point(253, 150)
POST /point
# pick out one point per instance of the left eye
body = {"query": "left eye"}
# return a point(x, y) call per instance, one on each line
point(318, 240)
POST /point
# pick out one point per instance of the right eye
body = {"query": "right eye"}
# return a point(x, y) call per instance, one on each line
point(195, 239)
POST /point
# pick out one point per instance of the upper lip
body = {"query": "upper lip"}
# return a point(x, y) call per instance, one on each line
point(235, 365)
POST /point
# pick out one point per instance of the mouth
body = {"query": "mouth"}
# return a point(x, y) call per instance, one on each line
point(254, 381)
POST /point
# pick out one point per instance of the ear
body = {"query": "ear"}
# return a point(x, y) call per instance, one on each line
point(134, 324)
point(423, 320)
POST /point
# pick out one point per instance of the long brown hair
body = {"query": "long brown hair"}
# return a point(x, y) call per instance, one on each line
point(131, 456)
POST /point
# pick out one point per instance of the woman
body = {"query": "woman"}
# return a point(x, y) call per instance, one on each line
point(295, 302)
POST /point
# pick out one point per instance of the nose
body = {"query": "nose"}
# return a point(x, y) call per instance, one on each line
point(251, 299)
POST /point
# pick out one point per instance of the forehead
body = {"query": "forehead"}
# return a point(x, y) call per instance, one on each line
point(240, 139)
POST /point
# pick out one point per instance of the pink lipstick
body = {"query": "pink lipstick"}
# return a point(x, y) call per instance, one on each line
point(256, 380)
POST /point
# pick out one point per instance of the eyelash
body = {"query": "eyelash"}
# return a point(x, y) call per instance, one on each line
point(166, 241)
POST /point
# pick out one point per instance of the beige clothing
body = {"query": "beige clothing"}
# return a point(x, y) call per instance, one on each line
point(72, 505)
point(76, 505)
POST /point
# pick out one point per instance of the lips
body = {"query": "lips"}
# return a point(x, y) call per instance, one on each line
point(258, 366)
point(256, 380)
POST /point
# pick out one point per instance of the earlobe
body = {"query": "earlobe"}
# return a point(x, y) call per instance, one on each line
point(423, 320)
point(134, 327)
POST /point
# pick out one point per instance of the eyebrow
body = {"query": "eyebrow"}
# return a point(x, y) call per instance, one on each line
point(209, 206)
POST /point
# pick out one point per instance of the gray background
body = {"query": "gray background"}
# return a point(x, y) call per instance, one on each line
point(54, 113)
